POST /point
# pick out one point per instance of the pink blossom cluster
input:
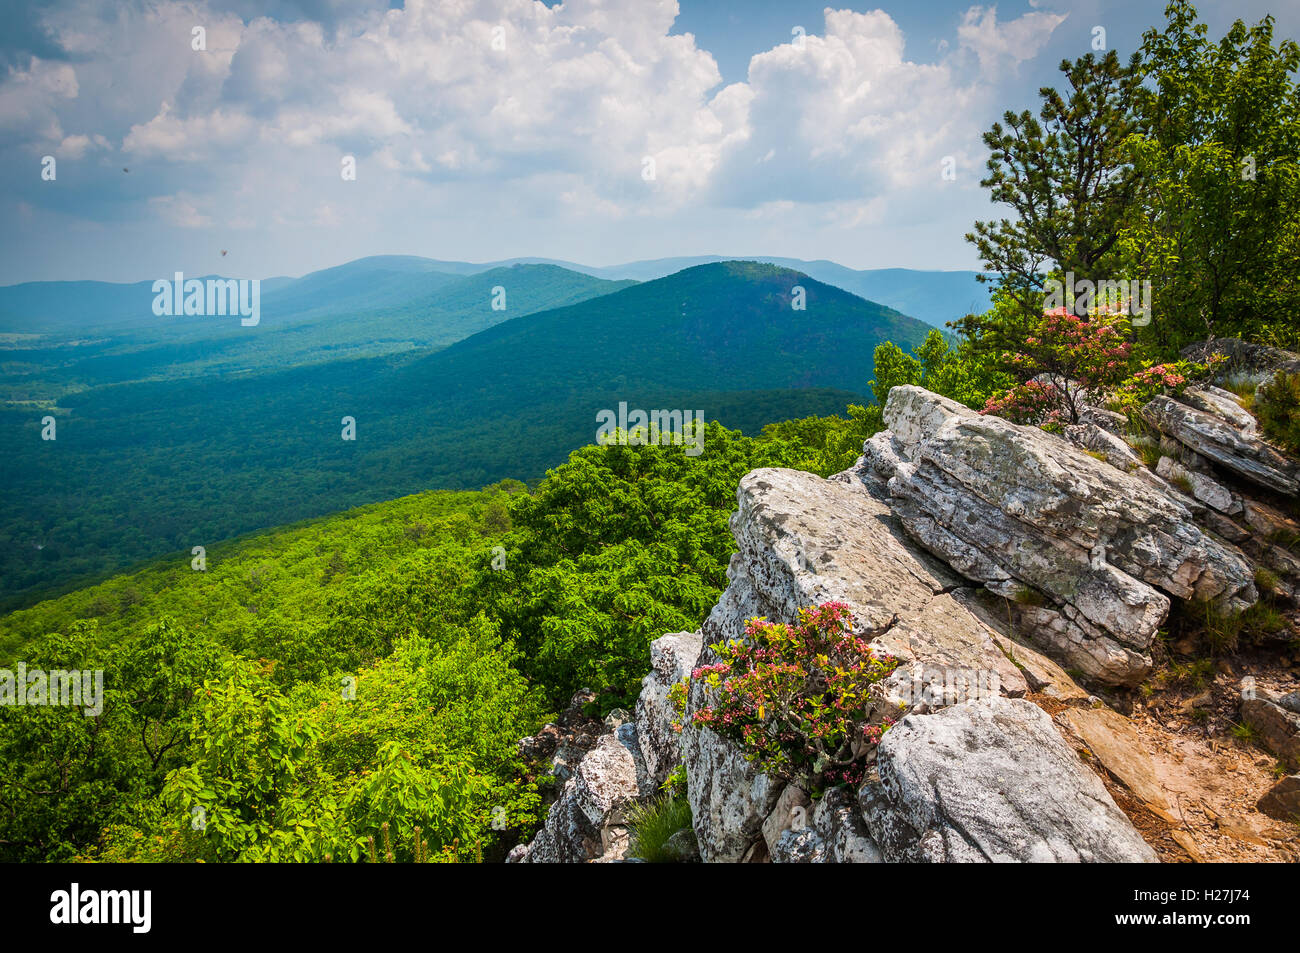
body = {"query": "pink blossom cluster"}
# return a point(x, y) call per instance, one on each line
point(798, 697)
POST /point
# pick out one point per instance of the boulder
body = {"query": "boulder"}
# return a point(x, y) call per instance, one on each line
point(1201, 486)
point(671, 659)
point(588, 821)
point(792, 812)
point(991, 782)
point(839, 824)
point(1117, 452)
point(566, 740)
point(1283, 800)
point(1279, 729)
point(836, 834)
point(1113, 423)
point(803, 846)
point(1244, 357)
point(730, 798)
point(1221, 403)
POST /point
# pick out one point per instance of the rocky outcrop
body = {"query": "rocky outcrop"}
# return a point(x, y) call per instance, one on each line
point(1202, 487)
point(565, 741)
point(1244, 358)
point(834, 834)
point(730, 798)
point(805, 541)
point(1023, 512)
point(1099, 441)
point(1236, 485)
point(672, 657)
point(588, 822)
point(987, 558)
point(1277, 724)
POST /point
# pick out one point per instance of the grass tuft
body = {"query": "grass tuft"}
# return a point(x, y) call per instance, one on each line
point(652, 824)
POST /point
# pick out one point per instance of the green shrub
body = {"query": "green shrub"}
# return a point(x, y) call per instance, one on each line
point(1265, 579)
point(1172, 378)
point(1225, 632)
point(797, 698)
point(1277, 405)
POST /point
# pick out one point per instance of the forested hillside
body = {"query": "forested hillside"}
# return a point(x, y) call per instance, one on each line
point(341, 573)
point(142, 468)
point(314, 682)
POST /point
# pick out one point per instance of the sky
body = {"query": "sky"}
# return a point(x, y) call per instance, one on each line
point(139, 138)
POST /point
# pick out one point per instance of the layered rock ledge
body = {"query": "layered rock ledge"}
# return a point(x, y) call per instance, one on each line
point(1089, 551)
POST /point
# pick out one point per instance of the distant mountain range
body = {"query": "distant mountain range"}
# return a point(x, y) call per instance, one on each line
point(152, 458)
point(70, 336)
point(729, 325)
point(387, 282)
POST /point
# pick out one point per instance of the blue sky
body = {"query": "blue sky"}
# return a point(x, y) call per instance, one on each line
point(598, 131)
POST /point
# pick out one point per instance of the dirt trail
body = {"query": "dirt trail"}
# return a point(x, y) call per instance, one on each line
point(1211, 777)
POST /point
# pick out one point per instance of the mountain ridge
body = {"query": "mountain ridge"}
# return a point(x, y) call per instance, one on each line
point(168, 456)
point(933, 296)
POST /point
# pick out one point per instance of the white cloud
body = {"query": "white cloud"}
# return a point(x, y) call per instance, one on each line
point(844, 132)
point(180, 211)
point(588, 88)
point(30, 100)
point(76, 147)
point(202, 136)
point(852, 128)
point(846, 115)
point(1005, 46)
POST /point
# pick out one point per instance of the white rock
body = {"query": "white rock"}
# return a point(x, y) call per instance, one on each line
point(992, 782)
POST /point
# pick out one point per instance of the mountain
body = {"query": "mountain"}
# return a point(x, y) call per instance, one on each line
point(368, 285)
point(365, 308)
point(45, 307)
point(383, 282)
point(935, 297)
point(150, 466)
point(729, 325)
point(42, 307)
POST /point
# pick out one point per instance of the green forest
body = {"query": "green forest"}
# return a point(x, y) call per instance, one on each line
point(459, 620)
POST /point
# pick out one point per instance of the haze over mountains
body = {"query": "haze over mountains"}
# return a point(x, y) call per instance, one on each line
point(60, 339)
point(175, 432)
point(379, 281)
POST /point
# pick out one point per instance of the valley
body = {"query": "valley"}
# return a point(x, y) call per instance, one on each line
point(193, 432)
